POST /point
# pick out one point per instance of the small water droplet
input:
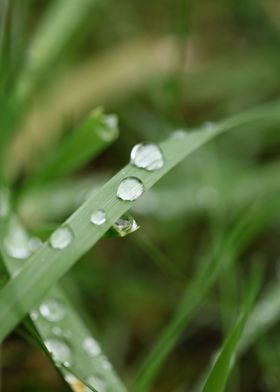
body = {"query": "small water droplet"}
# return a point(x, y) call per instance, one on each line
point(34, 244)
point(125, 225)
point(97, 383)
point(34, 315)
point(61, 238)
point(147, 156)
point(52, 310)
point(91, 347)
point(179, 134)
point(109, 130)
point(57, 331)
point(16, 241)
point(208, 125)
point(130, 189)
point(98, 217)
point(60, 350)
point(74, 382)
point(105, 364)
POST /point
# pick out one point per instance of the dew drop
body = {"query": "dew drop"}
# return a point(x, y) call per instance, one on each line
point(125, 225)
point(109, 130)
point(130, 188)
point(34, 315)
point(98, 217)
point(57, 331)
point(34, 244)
point(91, 347)
point(60, 350)
point(105, 364)
point(97, 383)
point(179, 134)
point(17, 242)
point(74, 382)
point(61, 238)
point(52, 310)
point(147, 156)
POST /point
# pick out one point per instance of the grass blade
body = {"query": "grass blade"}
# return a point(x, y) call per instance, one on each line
point(30, 285)
point(94, 134)
point(218, 375)
point(83, 368)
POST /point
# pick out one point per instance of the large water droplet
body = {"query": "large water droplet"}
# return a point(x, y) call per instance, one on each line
point(61, 238)
point(98, 217)
point(91, 347)
point(16, 241)
point(147, 156)
point(52, 310)
point(59, 349)
point(125, 225)
point(130, 189)
point(97, 383)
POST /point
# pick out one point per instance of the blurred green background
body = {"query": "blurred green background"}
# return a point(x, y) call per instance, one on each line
point(161, 66)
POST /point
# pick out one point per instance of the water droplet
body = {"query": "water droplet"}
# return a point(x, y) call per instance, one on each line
point(179, 134)
point(52, 310)
point(57, 331)
point(16, 241)
point(59, 349)
point(34, 315)
point(130, 188)
point(125, 225)
point(61, 238)
point(74, 382)
point(147, 156)
point(97, 383)
point(98, 217)
point(109, 130)
point(34, 244)
point(208, 125)
point(91, 347)
point(105, 364)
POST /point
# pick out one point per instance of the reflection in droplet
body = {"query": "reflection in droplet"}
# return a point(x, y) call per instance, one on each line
point(52, 310)
point(130, 189)
point(91, 347)
point(125, 225)
point(97, 383)
point(16, 241)
point(98, 217)
point(60, 350)
point(61, 238)
point(147, 156)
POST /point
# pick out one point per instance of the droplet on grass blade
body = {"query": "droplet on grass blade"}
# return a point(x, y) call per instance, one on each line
point(98, 217)
point(130, 189)
point(60, 350)
point(109, 129)
point(16, 242)
point(147, 156)
point(180, 134)
point(34, 244)
point(105, 364)
point(125, 225)
point(61, 238)
point(91, 347)
point(52, 310)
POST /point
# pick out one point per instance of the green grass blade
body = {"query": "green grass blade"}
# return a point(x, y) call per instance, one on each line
point(230, 246)
point(83, 369)
point(95, 133)
point(61, 21)
point(218, 375)
point(30, 285)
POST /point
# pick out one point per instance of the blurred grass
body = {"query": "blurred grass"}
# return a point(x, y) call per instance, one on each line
point(160, 66)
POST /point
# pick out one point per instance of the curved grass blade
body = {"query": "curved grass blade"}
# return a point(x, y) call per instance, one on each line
point(30, 285)
point(94, 134)
point(218, 375)
point(85, 364)
point(230, 246)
